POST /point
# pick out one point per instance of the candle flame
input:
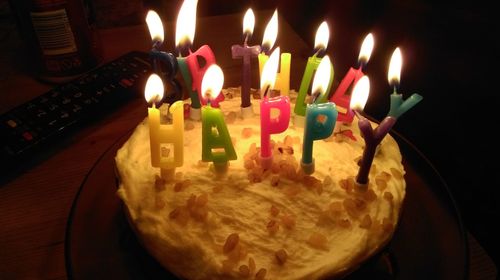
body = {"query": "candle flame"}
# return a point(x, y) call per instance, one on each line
point(155, 26)
point(212, 82)
point(269, 72)
point(271, 32)
point(186, 23)
point(248, 22)
point(360, 94)
point(154, 89)
point(322, 77)
point(393, 75)
point(322, 36)
point(366, 49)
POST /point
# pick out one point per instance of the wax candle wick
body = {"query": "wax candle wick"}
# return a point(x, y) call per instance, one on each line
point(265, 91)
point(247, 37)
point(265, 48)
point(319, 51)
point(156, 45)
point(315, 96)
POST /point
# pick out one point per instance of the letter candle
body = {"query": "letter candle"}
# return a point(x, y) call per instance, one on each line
point(216, 141)
point(268, 124)
point(320, 45)
point(189, 66)
point(246, 53)
point(160, 58)
point(283, 77)
point(320, 117)
point(373, 137)
point(341, 97)
point(161, 134)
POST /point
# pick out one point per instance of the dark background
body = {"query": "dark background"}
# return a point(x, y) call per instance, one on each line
point(449, 57)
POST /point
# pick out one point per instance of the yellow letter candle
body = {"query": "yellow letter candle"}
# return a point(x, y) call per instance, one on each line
point(283, 77)
point(216, 141)
point(166, 141)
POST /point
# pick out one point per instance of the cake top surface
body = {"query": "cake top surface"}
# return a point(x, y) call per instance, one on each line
point(275, 224)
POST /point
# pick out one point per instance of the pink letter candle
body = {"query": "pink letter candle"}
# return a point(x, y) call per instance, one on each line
point(341, 96)
point(246, 53)
point(269, 124)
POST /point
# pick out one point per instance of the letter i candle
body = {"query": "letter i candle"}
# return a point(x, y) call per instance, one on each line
point(283, 77)
point(320, 45)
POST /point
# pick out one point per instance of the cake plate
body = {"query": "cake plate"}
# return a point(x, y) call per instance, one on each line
point(429, 242)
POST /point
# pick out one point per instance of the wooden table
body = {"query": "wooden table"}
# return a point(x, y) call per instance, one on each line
point(35, 204)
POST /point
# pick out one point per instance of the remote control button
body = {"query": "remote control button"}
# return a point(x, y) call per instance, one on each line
point(11, 123)
point(27, 136)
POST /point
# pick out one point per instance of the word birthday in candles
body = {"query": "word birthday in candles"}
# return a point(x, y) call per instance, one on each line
point(269, 124)
point(283, 77)
point(320, 117)
point(164, 64)
point(320, 45)
point(216, 141)
point(373, 137)
point(246, 53)
point(341, 97)
point(165, 139)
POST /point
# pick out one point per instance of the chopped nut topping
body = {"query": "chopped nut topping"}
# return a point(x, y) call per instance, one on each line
point(202, 200)
point(396, 173)
point(281, 256)
point(274, 211)
point(227, 266)
point(272, 227)
point(249, 164)
point(231, 242)
point(345, 223)
point(159, 184)
point(317, 240)
point(159, 203)
point(384, 176)
point(178, 187)
point(381, 184)
point(370, 195)
point(275, 180)
point(288, 221)
point(327, 181)
point(366, 222)
point(261, 274)
point(244, 271)
point(188, 125)
point(246, 132)
point(388, 196)
point(251, 265)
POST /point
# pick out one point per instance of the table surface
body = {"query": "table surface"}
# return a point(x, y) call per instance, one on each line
point(34, 205)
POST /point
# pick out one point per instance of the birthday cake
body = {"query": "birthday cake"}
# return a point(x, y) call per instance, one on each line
point(255, 223)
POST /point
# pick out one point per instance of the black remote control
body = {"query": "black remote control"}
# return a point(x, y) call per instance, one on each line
point(31, 125)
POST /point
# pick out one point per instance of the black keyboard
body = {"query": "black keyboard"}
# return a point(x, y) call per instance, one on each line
point(33, 124)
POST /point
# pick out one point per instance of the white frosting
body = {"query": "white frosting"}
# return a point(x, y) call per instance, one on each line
point(235, 205)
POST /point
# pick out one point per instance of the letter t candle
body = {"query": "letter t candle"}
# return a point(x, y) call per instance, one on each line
point(246, 53)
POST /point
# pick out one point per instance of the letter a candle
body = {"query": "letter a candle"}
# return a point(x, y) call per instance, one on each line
point(373, 137)
point(269, 124)
point(320, 117)
point(216, 141)
point(341, 97)
point(170, 135)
